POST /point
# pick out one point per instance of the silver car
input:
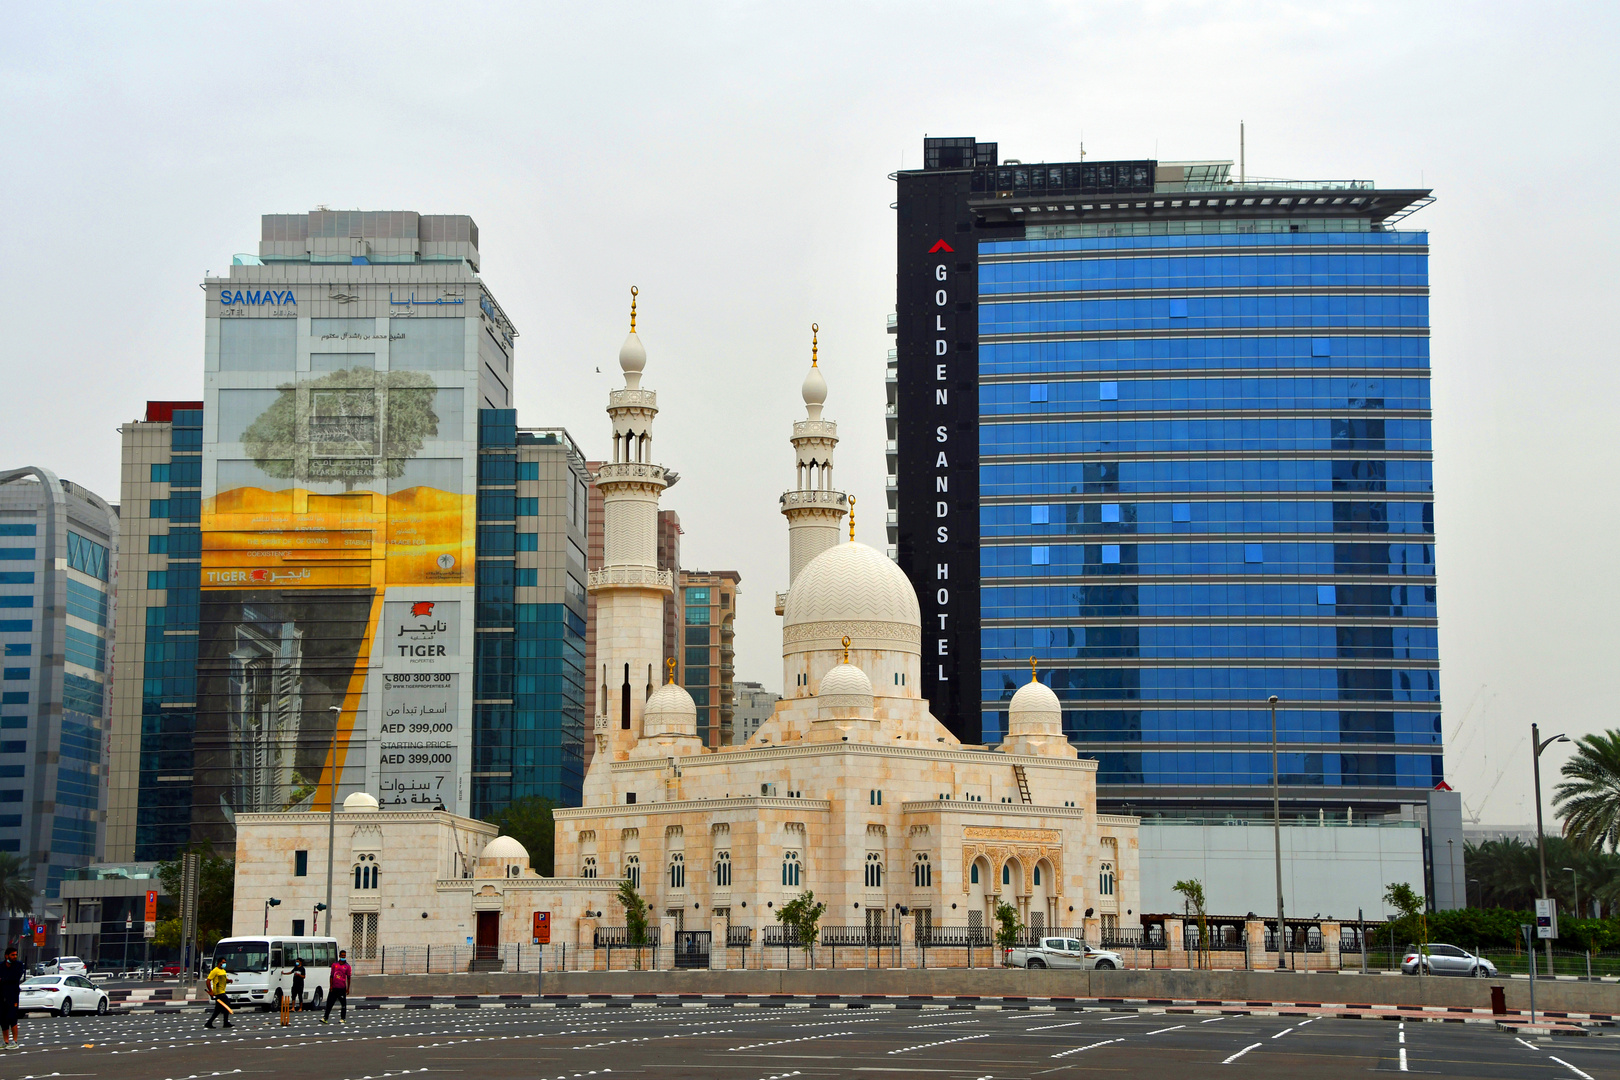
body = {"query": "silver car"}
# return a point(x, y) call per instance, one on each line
point(1436, 959)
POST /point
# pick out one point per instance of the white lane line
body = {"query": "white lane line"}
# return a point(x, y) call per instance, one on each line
point(1403, 1059)
point(1126, 1016)
point(1571, 1068)
point(943, 1042)
point(1403, 1038)
point(1212, 1019)
point(1161, 1031)
point(1241, 1052)
point(1091, 1046)
point(1531, 1046)
point(1049, 1027)
point(1283, 1032)
point(1312, 1020)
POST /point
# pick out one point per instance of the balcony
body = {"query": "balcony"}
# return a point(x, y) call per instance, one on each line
point(631, 577)
point(891, 409)
point(894, 324)
point(892, 483)
point(893, 520)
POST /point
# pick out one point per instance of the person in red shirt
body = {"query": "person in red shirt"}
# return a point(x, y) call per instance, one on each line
point(341, 974)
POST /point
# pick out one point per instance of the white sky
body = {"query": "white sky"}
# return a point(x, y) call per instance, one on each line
point(731, 160)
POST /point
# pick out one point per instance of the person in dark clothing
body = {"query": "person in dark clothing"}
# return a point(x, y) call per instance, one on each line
point(298, 984)
point(341, 973)
point(12, 974)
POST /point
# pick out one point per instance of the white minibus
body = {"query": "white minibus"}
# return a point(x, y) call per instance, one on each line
point(260, 968)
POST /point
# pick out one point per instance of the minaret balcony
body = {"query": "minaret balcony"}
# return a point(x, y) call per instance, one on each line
point(815, 429)
point(815, 497)
point(631, 470)
point(631, 577)
point(633, 399)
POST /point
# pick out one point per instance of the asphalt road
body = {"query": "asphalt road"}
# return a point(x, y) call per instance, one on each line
point(782, 1044)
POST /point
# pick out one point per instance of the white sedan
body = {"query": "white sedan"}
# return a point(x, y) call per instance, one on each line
point(64, 994)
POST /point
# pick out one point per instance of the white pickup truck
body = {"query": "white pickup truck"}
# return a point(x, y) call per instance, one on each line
point(1056, 952)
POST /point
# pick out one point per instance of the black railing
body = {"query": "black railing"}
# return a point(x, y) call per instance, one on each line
point(739, 936)
point(618, 937)
point(886, 934)
point(944, 937)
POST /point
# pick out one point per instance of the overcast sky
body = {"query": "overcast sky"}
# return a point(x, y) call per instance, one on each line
point(732, 161)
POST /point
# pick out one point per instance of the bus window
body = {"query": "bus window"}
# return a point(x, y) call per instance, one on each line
point(326, 953)
point(275, 954)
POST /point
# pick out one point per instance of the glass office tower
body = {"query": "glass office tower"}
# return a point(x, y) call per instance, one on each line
point(1198, 411)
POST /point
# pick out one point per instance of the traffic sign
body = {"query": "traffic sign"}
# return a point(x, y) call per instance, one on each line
point(542, 928)
point(1547, 919)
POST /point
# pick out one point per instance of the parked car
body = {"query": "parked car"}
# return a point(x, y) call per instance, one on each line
point(38, 968)
point(64, 994)
point(171, 971)
point(1436, 959)
point(66, 965)
point(1056, 952)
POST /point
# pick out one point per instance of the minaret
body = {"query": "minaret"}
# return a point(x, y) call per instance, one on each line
point(630, 589)
point(814, 510)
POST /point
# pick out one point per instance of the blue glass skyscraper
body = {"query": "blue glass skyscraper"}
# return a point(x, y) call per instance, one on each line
point(1201, 471)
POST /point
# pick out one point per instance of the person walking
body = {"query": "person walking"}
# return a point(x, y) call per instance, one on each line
point(12, 974)
point(217, 980)
point(341, 972)
point(298, 984)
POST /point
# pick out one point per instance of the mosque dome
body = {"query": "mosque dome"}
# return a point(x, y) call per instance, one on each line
point(506, 849)
point(632, 355)
point(669, 711)
point(845, 687)
point(855, 590)
point(359, 802)
point(1035, 710)
point(815, 387)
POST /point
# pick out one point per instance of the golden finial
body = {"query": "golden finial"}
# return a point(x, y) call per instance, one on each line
point(670, 663)
point(1032, 669)
point(852, 519)
point(814, 330)
point(846, 648)
point(633, 293)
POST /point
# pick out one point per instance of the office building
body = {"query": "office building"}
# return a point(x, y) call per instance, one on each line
point(154, 693)
point(1167, 430)
point(754, 706)
point(58, 552)
point(708, 649)
point(529, 649)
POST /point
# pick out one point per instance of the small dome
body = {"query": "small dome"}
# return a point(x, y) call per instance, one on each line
point(845, 693)
point(669, 711)
point(1035, 710)
point(632, 355)
point(505, 849)
point(850, 584)
point(815, 387)
point(359, 802)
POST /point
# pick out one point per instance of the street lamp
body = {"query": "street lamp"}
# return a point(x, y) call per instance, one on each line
point(331, 815)
point(1541, 839)
point(268, 904)
point(1572, 871)
point(1276, 834)
point(1473, 881)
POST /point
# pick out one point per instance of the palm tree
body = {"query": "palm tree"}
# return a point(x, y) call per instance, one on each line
point(16, 887)
point(1589, 799)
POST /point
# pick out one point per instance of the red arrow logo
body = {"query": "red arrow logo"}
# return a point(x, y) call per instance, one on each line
point(941, 245)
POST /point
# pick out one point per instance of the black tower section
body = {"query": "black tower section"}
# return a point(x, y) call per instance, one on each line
point(937, 394)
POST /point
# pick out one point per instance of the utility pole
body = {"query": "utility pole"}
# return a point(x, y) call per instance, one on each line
point(1276, 834)
point(1541, 837)
point(331, 814)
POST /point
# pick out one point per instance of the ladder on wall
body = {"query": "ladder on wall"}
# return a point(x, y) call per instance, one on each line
point(1023, 785)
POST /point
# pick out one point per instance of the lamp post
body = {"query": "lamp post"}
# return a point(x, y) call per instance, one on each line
point(1541, 839)
point(1576, 875)
point(331, 815)
point(268, 904)
point(1276, 834)
point(1473, 881)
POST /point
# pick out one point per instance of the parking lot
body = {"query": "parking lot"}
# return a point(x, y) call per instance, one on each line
point(777, 1043)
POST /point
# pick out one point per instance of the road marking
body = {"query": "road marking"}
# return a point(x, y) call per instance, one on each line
point(1212, 1019)
point(1531, 1046)
point(783, 1042)
point(1161, 1031)
point(1092, 1046)
point(1571, 1068)
point(1049, 1027)
point(1283, 1032)
point(948, 1023)
point(1241, 1052)
point(1403, 1038)
point(1127, 1016)
point(943, 1042)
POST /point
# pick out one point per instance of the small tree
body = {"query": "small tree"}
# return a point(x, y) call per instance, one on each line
point(1008, 927)
point(635, 917)
point(16, 886)
point(802, 917)
point(1192, 895)
point(1404, 899)
point(216, 893)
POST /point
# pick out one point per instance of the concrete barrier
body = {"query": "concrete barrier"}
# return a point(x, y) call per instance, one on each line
point(1219, 986)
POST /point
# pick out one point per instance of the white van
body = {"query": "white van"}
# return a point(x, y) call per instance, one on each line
point(260, 968)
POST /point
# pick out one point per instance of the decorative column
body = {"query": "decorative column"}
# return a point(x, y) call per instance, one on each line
point(717, 943)
point(1175, 943)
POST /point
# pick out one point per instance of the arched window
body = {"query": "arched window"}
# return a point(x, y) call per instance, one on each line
point(874, 870)
point(1037, 873)
point(677, 871)
point(589, 869)
point(632, 870)
point(1105, 879)
point(791, 870)
point(922, 874)
point(722, 870)
point(973, 874)
point(1006, 873)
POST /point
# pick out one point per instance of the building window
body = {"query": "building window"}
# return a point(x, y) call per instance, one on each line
point(632, 870)
point(1037, 391)
point(1108, 391)
point(1327, 594)
point(1037, 875)
point(722, 870)
point(1110, 513)
point(1252, 553)
point(874, 870)
point(1040, 515)
point(1040, 556)
point(589, 869)
point(875, 797)
point(922, 874)
point(300, 864)
point(1006, 873)
point(677, 871)
point(365, 873)
point(973, 874)
point(363, 936)
point(1181, 511)
point(697, 595)
point(298, 928)
point(791, 870)
point(1105, 880)
point(1110, 553)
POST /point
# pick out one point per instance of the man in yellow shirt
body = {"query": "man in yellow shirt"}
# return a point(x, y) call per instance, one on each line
point(217, 980)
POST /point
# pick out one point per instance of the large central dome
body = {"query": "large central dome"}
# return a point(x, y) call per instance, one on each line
point(855, 590)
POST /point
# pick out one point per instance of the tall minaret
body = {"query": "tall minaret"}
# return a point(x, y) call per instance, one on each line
point(814, 509)
point(630, 589)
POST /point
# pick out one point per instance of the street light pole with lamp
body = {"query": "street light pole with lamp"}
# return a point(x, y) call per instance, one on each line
point(1276, 835)
point(268, 904)
point(1538, 745)
point(331, 815)
point(1576, 875)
